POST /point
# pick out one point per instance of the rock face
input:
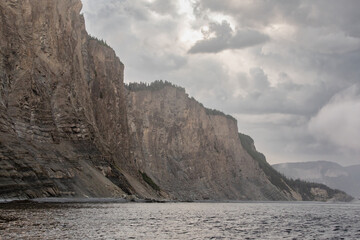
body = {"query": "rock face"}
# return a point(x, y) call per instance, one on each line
point(332, 174)
point(192, 153)
point(306, 191)
point(69, 128)
point(62, 106)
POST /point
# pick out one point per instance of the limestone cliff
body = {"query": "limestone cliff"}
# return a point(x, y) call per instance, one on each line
point(63, 117)
point(192, 152)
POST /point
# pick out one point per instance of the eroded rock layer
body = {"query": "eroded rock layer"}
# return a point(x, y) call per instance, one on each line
point(62, 106)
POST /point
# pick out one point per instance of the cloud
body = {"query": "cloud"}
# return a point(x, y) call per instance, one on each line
point(335, 15)
point(247, 38)
point(338, 122)
point(325, 42)
point(223, 34)
point(252, 93)
point(259, 79)
point(225, 38)
point(251, 13)
point(164, 7)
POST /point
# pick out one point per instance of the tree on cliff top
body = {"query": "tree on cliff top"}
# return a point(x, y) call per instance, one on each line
point(101, 41)
point(156, 85)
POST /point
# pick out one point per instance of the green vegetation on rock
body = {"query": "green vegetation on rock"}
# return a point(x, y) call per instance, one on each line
point(154, 86)
point(160, 84)
point(274, 176)
point(101, 41)
point(304, 188)
point(210, 111)
point(149, 181)
point(279, 180)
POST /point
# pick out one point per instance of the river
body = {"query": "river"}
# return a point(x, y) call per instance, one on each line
point(241, 220)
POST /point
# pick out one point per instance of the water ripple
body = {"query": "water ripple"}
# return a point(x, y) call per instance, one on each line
point(180, 221)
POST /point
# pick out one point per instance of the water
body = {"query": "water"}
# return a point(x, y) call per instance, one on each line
point(254, 220)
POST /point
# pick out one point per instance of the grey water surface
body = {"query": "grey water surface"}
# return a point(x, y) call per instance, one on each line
point(244, 220)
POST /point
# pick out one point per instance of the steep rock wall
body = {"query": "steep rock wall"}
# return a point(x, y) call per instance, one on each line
point(193, 154)
point(62, 106)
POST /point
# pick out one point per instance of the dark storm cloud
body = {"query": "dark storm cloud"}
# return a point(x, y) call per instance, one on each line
point(225, 38)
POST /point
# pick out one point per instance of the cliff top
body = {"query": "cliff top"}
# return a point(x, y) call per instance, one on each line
point(154, 86)
point(100, 41)
point(160, 84)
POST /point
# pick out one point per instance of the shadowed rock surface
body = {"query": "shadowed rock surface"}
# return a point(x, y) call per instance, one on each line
point(62, 106)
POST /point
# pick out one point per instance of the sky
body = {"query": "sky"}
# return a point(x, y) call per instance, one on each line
point(287, 70)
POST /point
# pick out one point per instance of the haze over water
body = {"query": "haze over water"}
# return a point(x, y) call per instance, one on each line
point(256, 220)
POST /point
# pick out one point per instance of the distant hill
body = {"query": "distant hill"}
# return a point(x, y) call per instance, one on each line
point(332, 174)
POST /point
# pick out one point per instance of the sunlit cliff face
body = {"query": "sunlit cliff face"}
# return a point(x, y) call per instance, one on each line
point(273, 66)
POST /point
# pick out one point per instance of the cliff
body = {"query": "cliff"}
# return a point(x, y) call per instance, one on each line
point(69, 128)
point(62, 106)
point(192, 152)
point(308, 191)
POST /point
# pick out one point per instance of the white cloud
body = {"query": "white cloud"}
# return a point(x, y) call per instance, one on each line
point(339, 121)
